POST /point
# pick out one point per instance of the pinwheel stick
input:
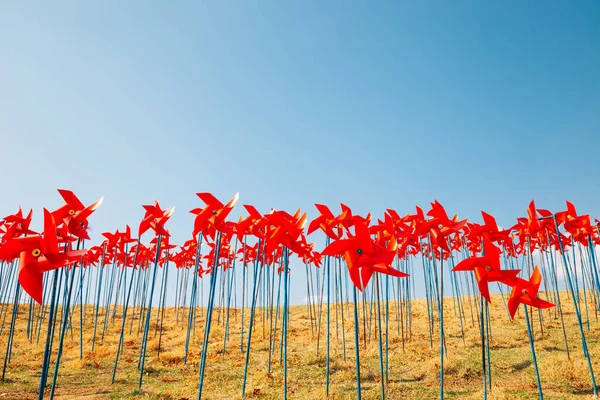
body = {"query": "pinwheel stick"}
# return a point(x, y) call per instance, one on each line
point(285, 319)
point(487, 342)
point(100, 272)
point(252, 307)
point(356, 343)
point(230, 292)
point(387, 328)
point(441, 320)
point(48, 345)
point(328, 262)
point(379, 338)
point(31, 318)
point(211, 298)
point(81, 308)
point(483, 357)
point(594, 267)
point(342, 304)
point(273, 341)
point(320, 313)
point(531, 344)
point(244, 285)
point(308, 299)
point(192, 312)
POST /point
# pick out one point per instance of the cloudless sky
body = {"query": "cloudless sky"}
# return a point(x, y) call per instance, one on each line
point(481, 105)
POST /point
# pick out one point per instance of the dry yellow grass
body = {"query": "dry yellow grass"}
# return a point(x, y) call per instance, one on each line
point(413, 372)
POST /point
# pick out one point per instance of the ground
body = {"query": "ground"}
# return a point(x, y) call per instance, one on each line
point(413, 367)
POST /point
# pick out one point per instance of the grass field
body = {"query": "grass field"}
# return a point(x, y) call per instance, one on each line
point(413, 370)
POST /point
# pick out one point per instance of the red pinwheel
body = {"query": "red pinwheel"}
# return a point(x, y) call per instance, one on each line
point(112, 239)
point(490, 227)
point(568, 214)
point(363, 256)
point(346, 219)
point(165, 243)
point(326, 221)
point(248, 253)
point(118, 240)
point(441, 226)
point(214, 214)
point(17, 225)
point(74, 214)
point(487, 269)
point(286, 231)
point(525, 292)
point(247, 225)
point(93, 255)
point(533, 223)
point(38, 254)
point(126, 238)
point(155, 219)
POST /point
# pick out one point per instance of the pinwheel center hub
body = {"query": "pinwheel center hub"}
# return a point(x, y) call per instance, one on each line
point(359, 251)
point(214, 212)
point(36, 252)
point(488, 268)
point(524, 291)
point(71, 212)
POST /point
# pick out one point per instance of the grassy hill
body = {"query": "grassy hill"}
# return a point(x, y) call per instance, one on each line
point(413, 365)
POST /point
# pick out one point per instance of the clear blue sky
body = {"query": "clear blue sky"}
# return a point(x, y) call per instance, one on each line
point(387, 104)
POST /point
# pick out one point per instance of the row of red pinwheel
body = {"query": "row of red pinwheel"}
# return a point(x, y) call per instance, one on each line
point(367, 247)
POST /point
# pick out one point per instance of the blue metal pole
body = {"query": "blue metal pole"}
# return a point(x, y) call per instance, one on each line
point(535, 365)
point(213, 280)
point(327, 361)
point(252, 307)
point(356, 344)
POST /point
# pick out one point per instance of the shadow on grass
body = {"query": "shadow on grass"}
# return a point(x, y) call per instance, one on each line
point(521, 366)
point(418, 378)
point(588, 391)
